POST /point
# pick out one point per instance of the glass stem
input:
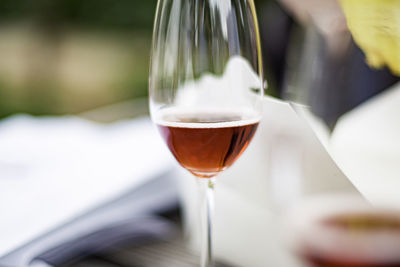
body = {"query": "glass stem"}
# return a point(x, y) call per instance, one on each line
point(206, 186)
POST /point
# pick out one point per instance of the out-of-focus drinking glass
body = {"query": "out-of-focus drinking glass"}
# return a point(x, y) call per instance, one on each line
point(345, 232)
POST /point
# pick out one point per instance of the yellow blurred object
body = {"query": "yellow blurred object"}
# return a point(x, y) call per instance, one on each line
point(375, 26)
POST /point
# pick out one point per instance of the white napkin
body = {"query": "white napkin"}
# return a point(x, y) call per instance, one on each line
point(54, 169)
point(366, 145)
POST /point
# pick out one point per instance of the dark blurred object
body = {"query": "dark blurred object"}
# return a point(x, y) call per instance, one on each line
point(332, 83)
point(128, 14)
point(159, 253)
point(311, 59)
point(136, 217)
point(276, 28)
point(139, 231)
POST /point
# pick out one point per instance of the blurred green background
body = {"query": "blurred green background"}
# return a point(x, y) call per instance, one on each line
point(69, 56)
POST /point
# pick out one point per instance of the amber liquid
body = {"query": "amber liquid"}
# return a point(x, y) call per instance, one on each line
point(206, 144)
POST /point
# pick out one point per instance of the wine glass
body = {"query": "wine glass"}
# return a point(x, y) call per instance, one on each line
point(206, 88)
